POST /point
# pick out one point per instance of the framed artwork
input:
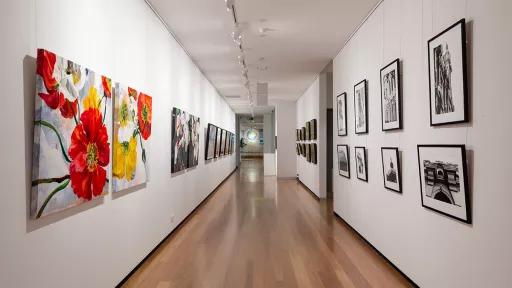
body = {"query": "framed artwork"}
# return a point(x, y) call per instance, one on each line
point(297, 147)
point(180, 140)
point(391, 169)
point(72, 135)
point(226, 141)
point(313, 129)
point(222, 142)
point(308, 131)
point(391, 96)
point(193, 144)
point(313, 151)
point(304, 149)
point(444, 180)
point(233, 139)
point(343, 160)
point(304, 136)
point(132, 130)
point(308, 153)
point(211, 134)
point(448, 88)
point(217, 142)
point(298, 134)
point(361, 164)
point(341, 104)
point(361, 107)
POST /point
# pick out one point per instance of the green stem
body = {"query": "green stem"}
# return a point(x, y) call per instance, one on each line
point(104, 110)
point(44, 123)
point(49, 180)
point(142, 148)
point(49, 197)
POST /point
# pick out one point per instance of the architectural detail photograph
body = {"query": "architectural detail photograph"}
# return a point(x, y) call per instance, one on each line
point(261, 144)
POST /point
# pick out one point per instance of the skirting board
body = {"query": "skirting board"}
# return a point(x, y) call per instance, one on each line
point(174, 230)
point(309, 190)
point(376, 250)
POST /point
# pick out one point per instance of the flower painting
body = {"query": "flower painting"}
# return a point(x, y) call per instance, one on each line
point(71, 155)
point(132, 130)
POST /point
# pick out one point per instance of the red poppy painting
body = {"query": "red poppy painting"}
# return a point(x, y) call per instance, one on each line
point(71, 159)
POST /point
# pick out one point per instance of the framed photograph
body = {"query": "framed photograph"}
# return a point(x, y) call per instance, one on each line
point(343, 161)
point(312, 149)
point(218, 139)
point(391, 169)
point(308, 131)
point(444, 181)
point(304, 137)
point(308, 153)
point(303, 149)
point(313, 129)
point(194, 128)
point(361, 107)
point(180, 140)
point(361, 164)
point(447, 76)
point(298, 134)
point(297, 147)
point(341, 104)
point(391, 96)
point(211, 134)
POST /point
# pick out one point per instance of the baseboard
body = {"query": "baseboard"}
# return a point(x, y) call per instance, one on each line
point(174, 230)
point(376, 250)
point(309, 190)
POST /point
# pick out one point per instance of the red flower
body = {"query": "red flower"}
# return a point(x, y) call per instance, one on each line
point(68, 108)
point(54, 99)
point(132, 93)
point(144, 115)
point(45, 65)
point(90, 153)
point(107, 86)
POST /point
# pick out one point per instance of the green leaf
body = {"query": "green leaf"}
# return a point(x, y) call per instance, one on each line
point(46, 124)
point(49, 197)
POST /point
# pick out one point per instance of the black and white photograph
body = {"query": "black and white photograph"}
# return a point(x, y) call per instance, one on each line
point(298, 134)
point(312, 150)
point(211, 135)
point(193, 145)
point(303, 150)
point(304, 133)
point(297, 147)
point(308, 131)
point(218, 139)
point(343, 160)
point(391, 169)
point(313, 132)
point(443, 180)
point(391, 96)
point(361, 107)
point(361, 164)
point(308, 153)
point(341, 104)
point(447, 76)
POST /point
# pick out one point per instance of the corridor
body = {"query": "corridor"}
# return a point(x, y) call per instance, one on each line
point(257, 231)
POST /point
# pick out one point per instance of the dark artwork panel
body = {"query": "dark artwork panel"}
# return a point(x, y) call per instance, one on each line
point(313, 153)
point(218, 140)
point(313, 129)
point(210, 141)
point(180, 140)
point(193, 145)
point(308, 131)
point(308, 153)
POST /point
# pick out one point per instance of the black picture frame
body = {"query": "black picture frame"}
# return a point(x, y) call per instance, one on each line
point(397, 125)
point(342, 98)
point(364, 161)
point(453, 67)
point(308, 152)
point(297, 148)
point(313, 151)
point(303, 133)
point(346, 151)
point(209, 133)
point(364, 129)
point(308, 131)
point(386, 174)
point(449, 184)
point(297, 137)
point(313, 131)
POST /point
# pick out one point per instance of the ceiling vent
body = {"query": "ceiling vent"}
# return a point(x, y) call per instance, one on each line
point(262, 94)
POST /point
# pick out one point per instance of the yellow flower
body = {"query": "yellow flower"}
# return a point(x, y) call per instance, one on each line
point(125, 159)
point(92, 100)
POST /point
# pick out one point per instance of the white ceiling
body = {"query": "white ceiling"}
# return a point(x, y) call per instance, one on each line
point(300, 38)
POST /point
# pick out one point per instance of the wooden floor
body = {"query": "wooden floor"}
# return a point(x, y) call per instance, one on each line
point(256, 231)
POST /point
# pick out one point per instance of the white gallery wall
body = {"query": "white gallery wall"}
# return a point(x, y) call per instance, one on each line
point(312, 106)
point(432, 249)
point(97, 244)
point(286, 165)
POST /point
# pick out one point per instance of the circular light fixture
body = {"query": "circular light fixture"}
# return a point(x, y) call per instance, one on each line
point(252, 135)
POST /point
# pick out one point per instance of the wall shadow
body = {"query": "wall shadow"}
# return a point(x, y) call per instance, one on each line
point(116, 195)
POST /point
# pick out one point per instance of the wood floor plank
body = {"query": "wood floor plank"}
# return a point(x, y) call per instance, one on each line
point(258, 231)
